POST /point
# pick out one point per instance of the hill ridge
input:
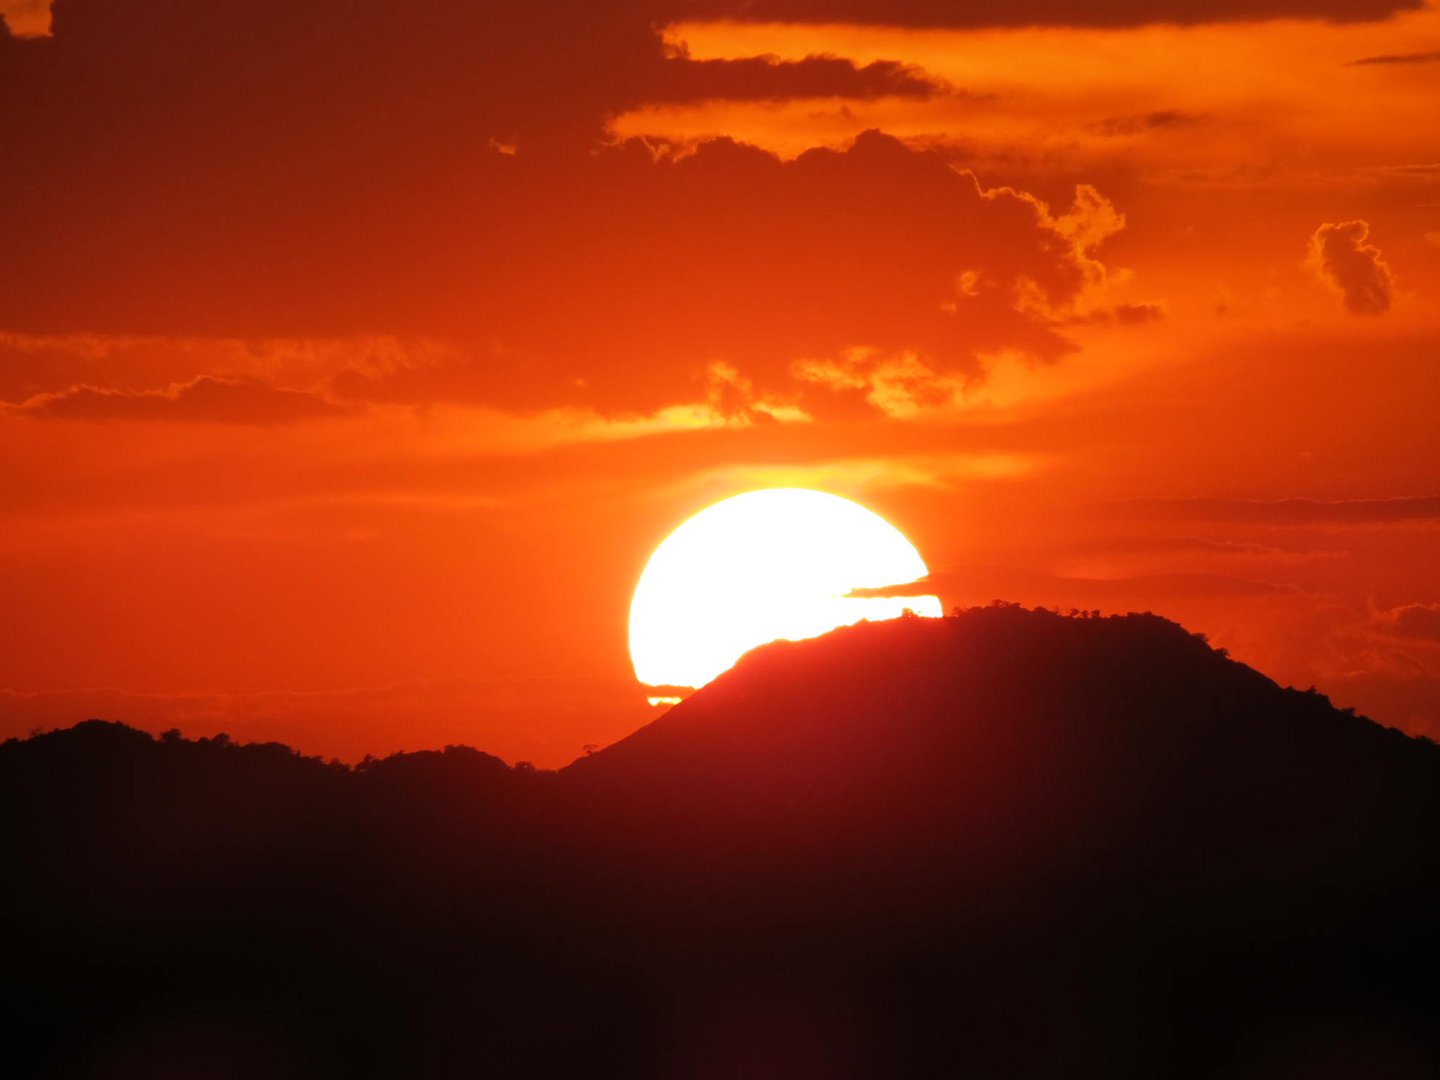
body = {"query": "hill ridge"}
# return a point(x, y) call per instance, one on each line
point(1007, 842)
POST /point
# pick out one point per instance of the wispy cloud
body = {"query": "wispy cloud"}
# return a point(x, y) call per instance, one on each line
point(1281, 511)
point(1397, 58)
point(204, 400)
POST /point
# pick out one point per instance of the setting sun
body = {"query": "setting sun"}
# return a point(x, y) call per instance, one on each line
point(759, 567)
point(463, 467)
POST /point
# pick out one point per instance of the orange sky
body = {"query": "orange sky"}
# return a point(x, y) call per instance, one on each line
point(351, 369)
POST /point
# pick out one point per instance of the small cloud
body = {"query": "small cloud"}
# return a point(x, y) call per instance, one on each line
point(203, 400)
point(897, 385)
point(1340, 257)
point(1397, 58)
point(1119, 315)
point(1141, 123)
point(923, 587)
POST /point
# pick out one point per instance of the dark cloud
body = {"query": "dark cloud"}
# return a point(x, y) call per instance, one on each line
point(205, 400)
point(31, 365)
point(978, 13)
point(1281, 511)
point(251, 79)
point(732, 255)
point(1120, 315)
point(568, 21)
point(1398, 58)
point(1418, 621)
point(176, 167)
point(1340, 257)
point(265, 169)
point(1140, 123)
point(763, 78)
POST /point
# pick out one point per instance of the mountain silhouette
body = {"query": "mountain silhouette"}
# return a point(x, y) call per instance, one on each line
point(1004, 843)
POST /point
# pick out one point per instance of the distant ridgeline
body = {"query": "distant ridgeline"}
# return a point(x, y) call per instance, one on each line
point(1004, 844)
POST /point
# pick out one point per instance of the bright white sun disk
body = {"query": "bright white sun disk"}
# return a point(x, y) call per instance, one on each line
point(759, 567)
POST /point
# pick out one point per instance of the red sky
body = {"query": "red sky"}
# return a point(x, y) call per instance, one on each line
point(351, 367)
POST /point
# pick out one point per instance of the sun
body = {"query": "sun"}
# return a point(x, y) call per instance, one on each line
point(759, 567)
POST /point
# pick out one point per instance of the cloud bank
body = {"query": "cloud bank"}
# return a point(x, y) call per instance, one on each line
point(203, 400)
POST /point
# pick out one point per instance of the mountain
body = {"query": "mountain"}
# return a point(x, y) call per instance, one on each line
point(1005, 843)
point(1011, 743)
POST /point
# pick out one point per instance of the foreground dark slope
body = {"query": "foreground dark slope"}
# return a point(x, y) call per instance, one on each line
point(1007, 842)
point(1007, 744)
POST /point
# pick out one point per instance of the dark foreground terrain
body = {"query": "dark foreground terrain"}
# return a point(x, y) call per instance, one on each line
point(1003, 844)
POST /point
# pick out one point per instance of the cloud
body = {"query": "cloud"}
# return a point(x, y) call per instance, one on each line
point(204, 400)
point(1141, 123)
point(1119, 315)
point(1418, 621)
point(985, 13)
point(34, 364)
point(358, 188)
point(1417, 508)
point(766, 78)
point(1340, 257)
point(784, 271)
point(350, 177)
point(577, 21)
point(1398, 58)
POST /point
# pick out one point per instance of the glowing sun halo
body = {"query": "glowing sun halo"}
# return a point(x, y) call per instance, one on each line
point(759, 567)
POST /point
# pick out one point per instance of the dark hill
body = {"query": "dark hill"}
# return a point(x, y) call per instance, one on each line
point(1010, 742)
point(1007, 843)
